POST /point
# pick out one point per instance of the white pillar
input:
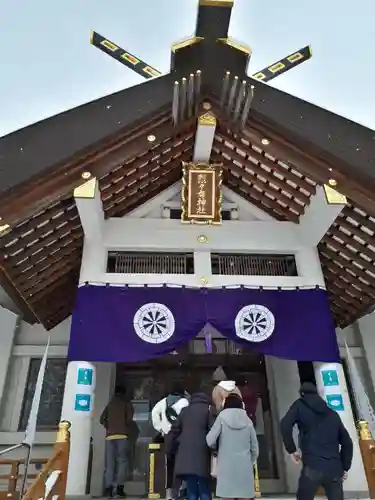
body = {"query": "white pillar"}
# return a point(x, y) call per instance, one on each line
point(330, 378)
point(285, 385)
point(77, 408)
point(105, 384)
point(202, 264)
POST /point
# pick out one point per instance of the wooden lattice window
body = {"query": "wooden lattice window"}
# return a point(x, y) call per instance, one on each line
point(52, 393)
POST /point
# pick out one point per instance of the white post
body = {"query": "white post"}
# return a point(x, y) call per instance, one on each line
point(105, 384)
point(77, 408)
point(330, 378)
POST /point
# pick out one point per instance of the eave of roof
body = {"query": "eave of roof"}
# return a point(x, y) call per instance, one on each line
point(44, 146)
point(42, 254)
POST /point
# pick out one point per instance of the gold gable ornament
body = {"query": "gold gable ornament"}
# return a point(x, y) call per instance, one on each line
point(333, 197)
point(207, 119)
point(201, 193)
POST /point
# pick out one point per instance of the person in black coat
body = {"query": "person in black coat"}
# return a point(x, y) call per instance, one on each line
point(325, 447)
point(188, 441)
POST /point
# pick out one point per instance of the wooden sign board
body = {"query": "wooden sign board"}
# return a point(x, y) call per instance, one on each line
point(201, 193)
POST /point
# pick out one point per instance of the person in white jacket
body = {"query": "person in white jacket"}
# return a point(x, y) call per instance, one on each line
point(163, 414)
point(223, 388)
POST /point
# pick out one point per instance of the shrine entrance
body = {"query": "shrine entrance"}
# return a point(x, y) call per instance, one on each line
point(148, 382)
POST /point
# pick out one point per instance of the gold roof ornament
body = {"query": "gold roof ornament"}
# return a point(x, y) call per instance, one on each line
point(216, 3)
point(364, 431)
point(86, 190)
point(207, 119)
point(186, 42)
point(241, 47)
point(333, 197)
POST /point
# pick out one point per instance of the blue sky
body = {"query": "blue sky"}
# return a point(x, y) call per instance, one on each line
point(48, 65)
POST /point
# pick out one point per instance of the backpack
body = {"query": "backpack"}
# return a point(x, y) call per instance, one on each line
point(170, 413)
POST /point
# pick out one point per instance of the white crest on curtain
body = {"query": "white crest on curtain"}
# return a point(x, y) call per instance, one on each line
point(362, 402)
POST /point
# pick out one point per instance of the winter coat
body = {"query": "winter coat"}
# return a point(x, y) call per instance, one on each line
point(323, 439)
point(187, 438)
point(117, 417)
point(234, 435)
point(221, 392)
point(158, 415)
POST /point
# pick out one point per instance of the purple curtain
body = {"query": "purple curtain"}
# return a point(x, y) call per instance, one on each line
point(127, 324)
point(290, 324)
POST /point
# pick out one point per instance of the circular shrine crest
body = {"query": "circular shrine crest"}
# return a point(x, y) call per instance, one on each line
point(154, 323)
point(254, 323)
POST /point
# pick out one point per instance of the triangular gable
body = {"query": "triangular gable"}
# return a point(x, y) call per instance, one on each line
point(171, 198)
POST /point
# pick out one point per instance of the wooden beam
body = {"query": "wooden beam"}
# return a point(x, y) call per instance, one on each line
point(342, 222)
point(346, 263)
point(253, 193)
point(44, 191)
point(240, 188)
point(351, 253)
point(360, 188)
point(39, 234)
point(142, 166)
point(16, 296)
point(60, 282)
point(152, 185)
point(54, 276)
point(63, 297)
point(27, 285)
point(54, 212)
point(255, 174)
point(343, 274)
point(73, 229)
point(42, 259)
point(362, 220)
point(139, 161)
point(336, 231)
point(273, 166)
point(342, 281)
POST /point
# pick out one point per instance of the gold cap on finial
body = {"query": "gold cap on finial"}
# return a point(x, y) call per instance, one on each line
point(63, 432)
point(364, 431)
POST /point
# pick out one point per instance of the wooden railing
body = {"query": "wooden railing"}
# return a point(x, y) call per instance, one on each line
point(367, 446)
point(15, 475)
point(51, 482)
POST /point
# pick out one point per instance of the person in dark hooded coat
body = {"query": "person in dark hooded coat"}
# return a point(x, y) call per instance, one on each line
point(187, 439)
point(325, 447)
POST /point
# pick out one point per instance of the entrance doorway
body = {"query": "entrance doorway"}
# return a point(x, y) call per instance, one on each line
point(147, 383)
